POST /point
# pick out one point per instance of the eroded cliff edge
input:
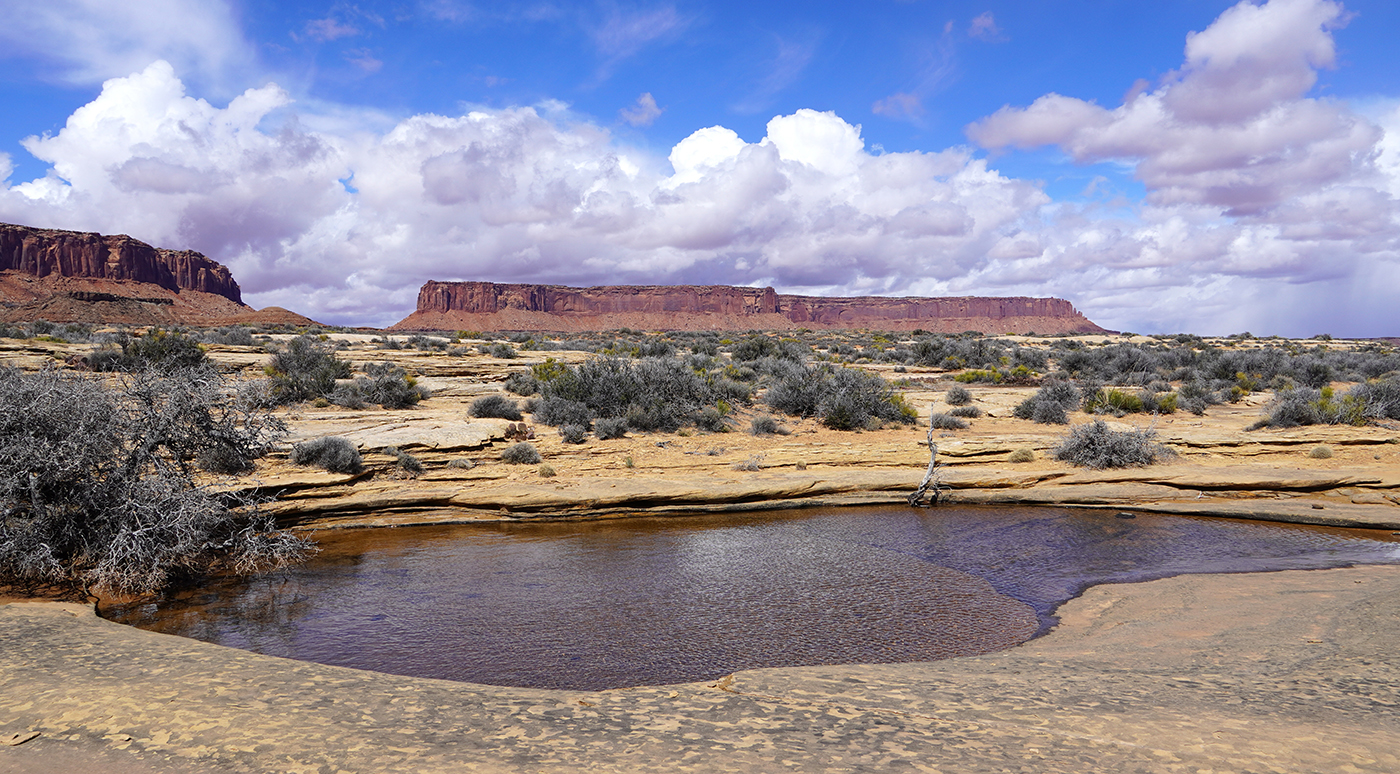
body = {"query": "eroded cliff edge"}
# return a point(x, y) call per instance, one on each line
point(489, 306)
point(85, 277)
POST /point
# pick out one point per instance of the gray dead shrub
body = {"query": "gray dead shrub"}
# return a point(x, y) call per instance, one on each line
point(1095, 445)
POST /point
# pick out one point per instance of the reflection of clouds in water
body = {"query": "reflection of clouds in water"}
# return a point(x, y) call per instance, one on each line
point(659, 600)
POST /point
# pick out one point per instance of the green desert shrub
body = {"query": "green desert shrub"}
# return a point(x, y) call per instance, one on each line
point(521, 454)
point(573, 433)
point(989, 376)
point(1306, 406)
point(1159, 402)
point(97, 484)
point(1320, 452)
point(1113, 401)
point(1095, 445)
point(333, 453)
point(966, 412)
point(495, 406)
point(958, 395)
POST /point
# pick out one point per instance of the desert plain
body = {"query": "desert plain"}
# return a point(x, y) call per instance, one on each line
point(1265, 672)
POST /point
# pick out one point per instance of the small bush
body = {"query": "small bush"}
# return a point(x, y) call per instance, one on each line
point(495, 406)
point(947, 422)
point(1159, 403)
point(573, 433)
point(498, 350)
point(235, 336)
point(461, 463)
point(1094, 445)
point(1050, 405)
point(389, 386)
point(1022, 455)
point(406, 462)
point(161, 350)
point(1320, 453)
point(958, 395)
point(610, 429)
point(766, 425)
point(968, 412)
point(990, 376)
point(1113, 401)
point(1306, 406)
point(347, 396)
point(546, 471)
point(306, 368)
point(521, 454)
point(333, 453)
point(842, 398)
point(711, 420)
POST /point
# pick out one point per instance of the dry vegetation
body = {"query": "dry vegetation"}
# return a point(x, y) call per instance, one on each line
point(460, 425)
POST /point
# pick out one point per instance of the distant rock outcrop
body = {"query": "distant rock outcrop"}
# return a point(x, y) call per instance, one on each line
point(488, 306)
point(43, 252)
point(77, 276)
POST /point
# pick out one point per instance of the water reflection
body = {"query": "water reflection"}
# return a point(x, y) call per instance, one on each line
point(661, 600)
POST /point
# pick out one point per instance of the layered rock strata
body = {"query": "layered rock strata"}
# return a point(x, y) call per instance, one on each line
point(84, 277)
point(488, 306)
point(78, 254)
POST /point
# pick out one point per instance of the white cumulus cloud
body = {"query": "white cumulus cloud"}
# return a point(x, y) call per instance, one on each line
point(1273, 211)
point(1255, 189)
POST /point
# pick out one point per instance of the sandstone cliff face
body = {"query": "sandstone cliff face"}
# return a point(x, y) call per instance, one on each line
point(491, 306)
point(81, 255)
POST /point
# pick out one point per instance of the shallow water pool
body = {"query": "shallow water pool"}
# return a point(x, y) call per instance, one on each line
point(657, 600)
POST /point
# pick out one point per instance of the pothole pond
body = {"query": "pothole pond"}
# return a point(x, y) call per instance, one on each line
point(657, 600)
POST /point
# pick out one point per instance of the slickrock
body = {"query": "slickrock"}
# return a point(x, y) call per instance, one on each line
point(1261, 672)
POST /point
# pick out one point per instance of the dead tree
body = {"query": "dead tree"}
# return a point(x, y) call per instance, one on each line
point(931, 489)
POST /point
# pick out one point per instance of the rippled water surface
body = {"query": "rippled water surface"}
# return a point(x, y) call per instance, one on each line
point(605, 604)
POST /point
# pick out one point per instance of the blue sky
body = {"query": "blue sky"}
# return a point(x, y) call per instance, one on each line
point(1190, 165)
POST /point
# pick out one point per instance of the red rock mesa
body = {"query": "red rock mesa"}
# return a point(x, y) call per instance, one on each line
point(488, 306)
point(76, 276)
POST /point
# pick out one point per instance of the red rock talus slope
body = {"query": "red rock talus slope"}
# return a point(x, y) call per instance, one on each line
point(75, 276)
point(487, 306)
